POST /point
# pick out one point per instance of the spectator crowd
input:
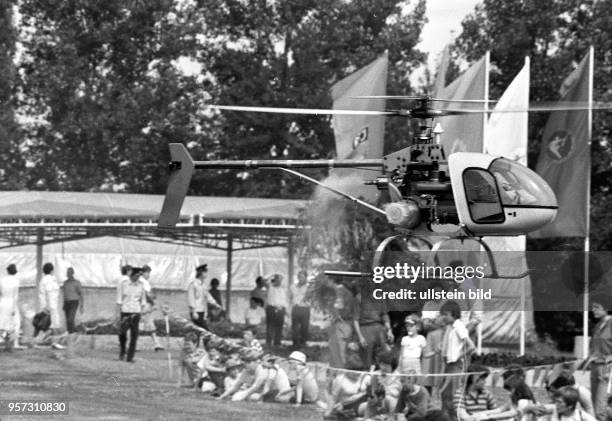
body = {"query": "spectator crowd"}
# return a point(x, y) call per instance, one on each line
point(412, 366)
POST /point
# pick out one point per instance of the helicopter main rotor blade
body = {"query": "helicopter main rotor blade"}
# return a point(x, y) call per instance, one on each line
point(311, 111)
point(424, 98)
point(536, 108)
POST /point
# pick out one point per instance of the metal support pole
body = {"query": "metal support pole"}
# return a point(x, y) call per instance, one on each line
point(40, 237)
point(228, 285)
point(290, 266)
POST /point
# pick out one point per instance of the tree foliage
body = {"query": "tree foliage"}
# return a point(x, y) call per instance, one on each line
point(105, 84)
point(289, 54)
point(11, 162)
point(101, 81)
point(555, 34)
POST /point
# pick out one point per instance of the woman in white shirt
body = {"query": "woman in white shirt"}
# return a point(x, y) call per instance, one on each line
point(9, 313)
point(48, 295)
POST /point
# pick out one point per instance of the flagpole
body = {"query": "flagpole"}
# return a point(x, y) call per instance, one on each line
point(484, 136)
point(523, 321)
point(587, 238)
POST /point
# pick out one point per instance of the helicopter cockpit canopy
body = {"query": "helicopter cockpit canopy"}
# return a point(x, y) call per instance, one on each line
point(497, 196)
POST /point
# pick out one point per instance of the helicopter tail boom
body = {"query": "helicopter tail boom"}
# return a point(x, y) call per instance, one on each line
point(181, 171)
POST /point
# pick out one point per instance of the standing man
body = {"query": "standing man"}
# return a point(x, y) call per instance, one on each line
point(277, 303)
point(373, 326)
point(131, 298)
point(9, 310)
point(214, 314)
point(260, 292)
point(48, 295)
point(198, 297)
point(300, 312)
point(73, 299)
point(148, 324)
point(456, 350)
point(600, 358)
point(340, 330)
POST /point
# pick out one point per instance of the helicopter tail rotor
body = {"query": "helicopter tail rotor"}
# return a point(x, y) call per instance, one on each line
point(181, 170)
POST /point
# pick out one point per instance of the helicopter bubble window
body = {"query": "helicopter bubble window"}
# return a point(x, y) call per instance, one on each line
point(518, 186)
point(482, 196)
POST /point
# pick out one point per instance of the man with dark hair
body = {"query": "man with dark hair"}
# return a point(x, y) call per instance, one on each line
point(454, 353)
point(276, 308)
point(131, 298)
point(48, 295)
point(567, 408)
point(73, 299)
point(373, 326)
point(260, 292)
point(474, 399)
point(566, 378)
point(300, 311)
point(340, 330)
point(215, 312)
point(198, 297)
point(148, 323)
point(600, 357)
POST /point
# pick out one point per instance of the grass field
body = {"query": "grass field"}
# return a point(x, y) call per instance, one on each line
point(98, 386)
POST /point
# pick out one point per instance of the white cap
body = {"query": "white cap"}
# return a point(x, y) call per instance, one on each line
point(298, 356)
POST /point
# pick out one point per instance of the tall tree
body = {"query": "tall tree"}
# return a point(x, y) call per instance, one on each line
point(106, 84)
point(11, 163)
point(101, 81)
point(288, 54)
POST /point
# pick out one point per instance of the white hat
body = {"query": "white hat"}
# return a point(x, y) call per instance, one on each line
point(298, 356)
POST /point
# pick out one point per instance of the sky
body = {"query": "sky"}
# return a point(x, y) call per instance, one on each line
point(444, 24)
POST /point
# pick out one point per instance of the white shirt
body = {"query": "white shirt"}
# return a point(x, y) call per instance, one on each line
point(456, 334)
point(412, 346)
point(254, 316)
point(297, 294)
point(280, 380)
point(198, 296)
point(145, 284)
point(48, 294)
point(131, 296)
point(277, 297)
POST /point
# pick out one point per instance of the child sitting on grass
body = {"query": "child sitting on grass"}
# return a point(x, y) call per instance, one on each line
point(249, 341)
point(304, 387)
point(233, 368)
point(213, 370)
point(192, 357)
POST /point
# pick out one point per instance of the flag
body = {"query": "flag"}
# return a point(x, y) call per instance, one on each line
point(464, 133)
point(506, 136)
point(506, 133)
point(565, 156)
point(440, 82)
point(360, 136)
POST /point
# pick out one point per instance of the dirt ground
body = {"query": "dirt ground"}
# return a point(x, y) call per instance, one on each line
point(98, 386)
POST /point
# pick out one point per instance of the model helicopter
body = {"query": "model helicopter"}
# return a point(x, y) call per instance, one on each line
point(473, 193)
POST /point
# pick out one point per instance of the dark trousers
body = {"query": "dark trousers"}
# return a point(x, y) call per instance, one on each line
point(375, 336)
point(199, 321)
point(300, 320)
point(129, 322)
point(70, 309)
point(275, 318)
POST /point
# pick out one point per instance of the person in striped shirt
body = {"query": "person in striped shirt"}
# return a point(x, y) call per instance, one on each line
point(474, 400)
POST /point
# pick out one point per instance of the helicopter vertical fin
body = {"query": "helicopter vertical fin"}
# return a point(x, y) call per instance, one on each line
point(181, 168)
